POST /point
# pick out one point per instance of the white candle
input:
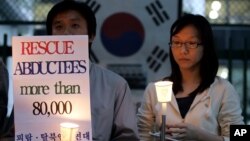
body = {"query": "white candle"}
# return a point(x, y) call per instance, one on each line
point(164, 90)
point(68, 131)
point(164, 94)
point(164, 108)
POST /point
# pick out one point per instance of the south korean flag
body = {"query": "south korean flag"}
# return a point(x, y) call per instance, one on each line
point(132, 37)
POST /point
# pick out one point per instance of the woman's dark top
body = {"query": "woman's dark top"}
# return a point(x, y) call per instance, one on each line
point(184, 103)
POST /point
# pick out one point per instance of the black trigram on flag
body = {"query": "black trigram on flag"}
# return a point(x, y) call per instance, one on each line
point(93, 5)
point(159, 15)
point(157, 57)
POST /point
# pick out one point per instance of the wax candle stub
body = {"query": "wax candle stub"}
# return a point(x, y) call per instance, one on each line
point(164, 108)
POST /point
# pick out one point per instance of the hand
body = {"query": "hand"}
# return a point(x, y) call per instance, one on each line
point(183, 131)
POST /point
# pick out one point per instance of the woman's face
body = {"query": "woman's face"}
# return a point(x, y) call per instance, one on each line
point(186, 48)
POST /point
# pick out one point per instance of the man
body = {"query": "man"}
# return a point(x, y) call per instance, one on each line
point(112, 111)
point(4, 83)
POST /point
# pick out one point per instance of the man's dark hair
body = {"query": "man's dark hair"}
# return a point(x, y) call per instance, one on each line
point(80, 7)
point(209, 61)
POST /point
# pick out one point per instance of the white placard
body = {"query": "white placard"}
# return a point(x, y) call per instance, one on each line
point(51, 86)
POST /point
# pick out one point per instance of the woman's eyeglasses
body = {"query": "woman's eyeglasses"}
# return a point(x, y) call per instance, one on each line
point(188, 44)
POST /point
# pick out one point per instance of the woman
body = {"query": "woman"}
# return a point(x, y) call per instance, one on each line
point(203, 105)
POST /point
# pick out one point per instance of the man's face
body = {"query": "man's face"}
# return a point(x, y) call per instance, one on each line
point(69, 23)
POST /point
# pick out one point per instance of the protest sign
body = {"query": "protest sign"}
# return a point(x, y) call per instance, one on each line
point(51, 87)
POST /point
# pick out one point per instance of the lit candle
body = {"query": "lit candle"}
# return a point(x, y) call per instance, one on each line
point(68, 131)
point(164, 91)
